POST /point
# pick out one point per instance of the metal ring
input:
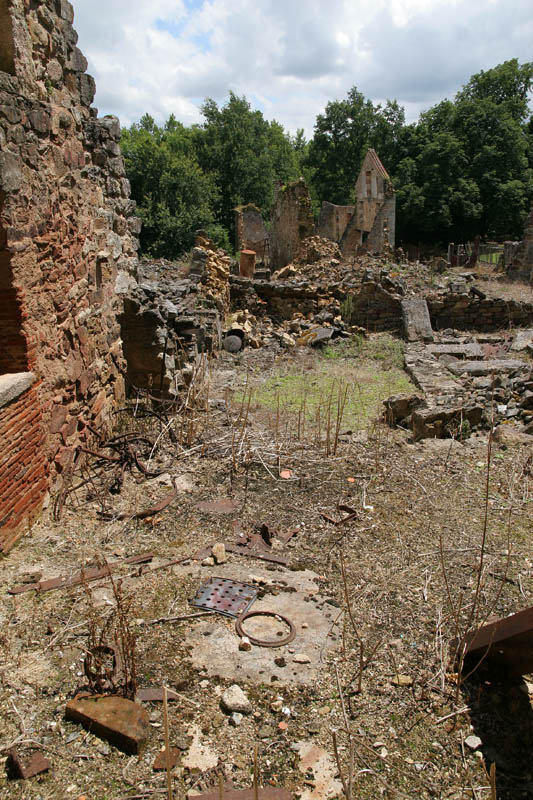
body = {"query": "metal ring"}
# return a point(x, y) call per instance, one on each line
point(262, 642)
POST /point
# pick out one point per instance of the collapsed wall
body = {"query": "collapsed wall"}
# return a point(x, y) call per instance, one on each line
point(250, 231)
point(67, 229)
point(292, 221)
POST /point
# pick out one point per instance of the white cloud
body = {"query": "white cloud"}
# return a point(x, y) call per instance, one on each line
point(291, 57)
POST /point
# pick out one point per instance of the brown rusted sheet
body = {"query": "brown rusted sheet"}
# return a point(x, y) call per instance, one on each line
point(507, 641)
point(36, 764)
point(154, 694)
point(120, 721)
point(88, 575)
point(265, 793)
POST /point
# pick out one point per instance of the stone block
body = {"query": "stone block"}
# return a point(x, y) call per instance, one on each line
point(121, 722)
point(416, 320)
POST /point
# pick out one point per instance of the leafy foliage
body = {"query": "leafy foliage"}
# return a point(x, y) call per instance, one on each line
point(465, 168)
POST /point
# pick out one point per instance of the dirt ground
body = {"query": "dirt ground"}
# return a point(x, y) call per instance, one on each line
point(408, 571)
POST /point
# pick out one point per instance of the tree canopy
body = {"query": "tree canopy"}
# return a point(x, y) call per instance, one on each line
point(464, 168)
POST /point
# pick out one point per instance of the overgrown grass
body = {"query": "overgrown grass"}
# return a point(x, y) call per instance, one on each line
point(367, 370)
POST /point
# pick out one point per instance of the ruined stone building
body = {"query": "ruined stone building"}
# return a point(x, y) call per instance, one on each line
point(67, 230)
point(291, 221)
point(333, 220)
point(250, 230)
point(369, 225)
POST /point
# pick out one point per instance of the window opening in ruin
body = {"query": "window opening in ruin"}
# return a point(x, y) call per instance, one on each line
point(98, 274)
point(13, 347)
point(7, 46)
point(369, 184)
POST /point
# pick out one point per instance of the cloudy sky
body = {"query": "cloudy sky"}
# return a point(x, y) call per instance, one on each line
point(290, 57)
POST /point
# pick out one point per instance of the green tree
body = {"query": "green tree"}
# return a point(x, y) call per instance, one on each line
point(174, 196)
point(244, 154)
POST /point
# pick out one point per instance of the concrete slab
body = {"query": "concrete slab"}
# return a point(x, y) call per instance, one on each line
point(316, 760)
point(214, 644)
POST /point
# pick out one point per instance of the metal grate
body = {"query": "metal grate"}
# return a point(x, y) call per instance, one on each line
point(230, 598)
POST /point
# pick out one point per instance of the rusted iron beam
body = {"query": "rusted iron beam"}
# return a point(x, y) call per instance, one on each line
point(507, 641)
point(87, 575)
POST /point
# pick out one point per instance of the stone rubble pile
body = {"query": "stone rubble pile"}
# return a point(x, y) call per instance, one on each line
point(168, 323)
point(467, 382)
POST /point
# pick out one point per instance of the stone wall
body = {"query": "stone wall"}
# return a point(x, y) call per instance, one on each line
point(291, 222)
point(67, 229)
point(250, 231)
point(464, 312)
point(373, 226)
point(333, 220)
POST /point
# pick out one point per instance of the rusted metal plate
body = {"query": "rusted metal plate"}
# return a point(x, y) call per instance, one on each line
point(223, 506)
point(35, 765)
point(231, 598)
point(87, 575)
point(507, 641)
point(266, 793)
point(154, 694)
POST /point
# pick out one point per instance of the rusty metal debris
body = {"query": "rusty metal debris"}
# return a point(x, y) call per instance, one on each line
point(160, 761)
point(83, 576)
point(36, 764)
point(351, 513)
point(147, 512)
point(100, 667)
point(231, 598)
point(507, 641)
point(279, 642)
point(257, 543)
point(101, 469)
point(249, 552)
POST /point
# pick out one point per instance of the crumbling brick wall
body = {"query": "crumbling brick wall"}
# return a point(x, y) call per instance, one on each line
point(291, 222)
point(67, 229)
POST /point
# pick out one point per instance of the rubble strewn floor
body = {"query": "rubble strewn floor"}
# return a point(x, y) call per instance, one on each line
point(379, 508)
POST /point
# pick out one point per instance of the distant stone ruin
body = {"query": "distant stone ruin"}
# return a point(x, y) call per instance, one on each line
point(373, 226)
point(67, 232)
point(250, 231)
point(291, 222)
point(518, 256)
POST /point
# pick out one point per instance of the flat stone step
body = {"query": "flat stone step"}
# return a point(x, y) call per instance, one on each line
point(468, 351)
point(481, 368)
